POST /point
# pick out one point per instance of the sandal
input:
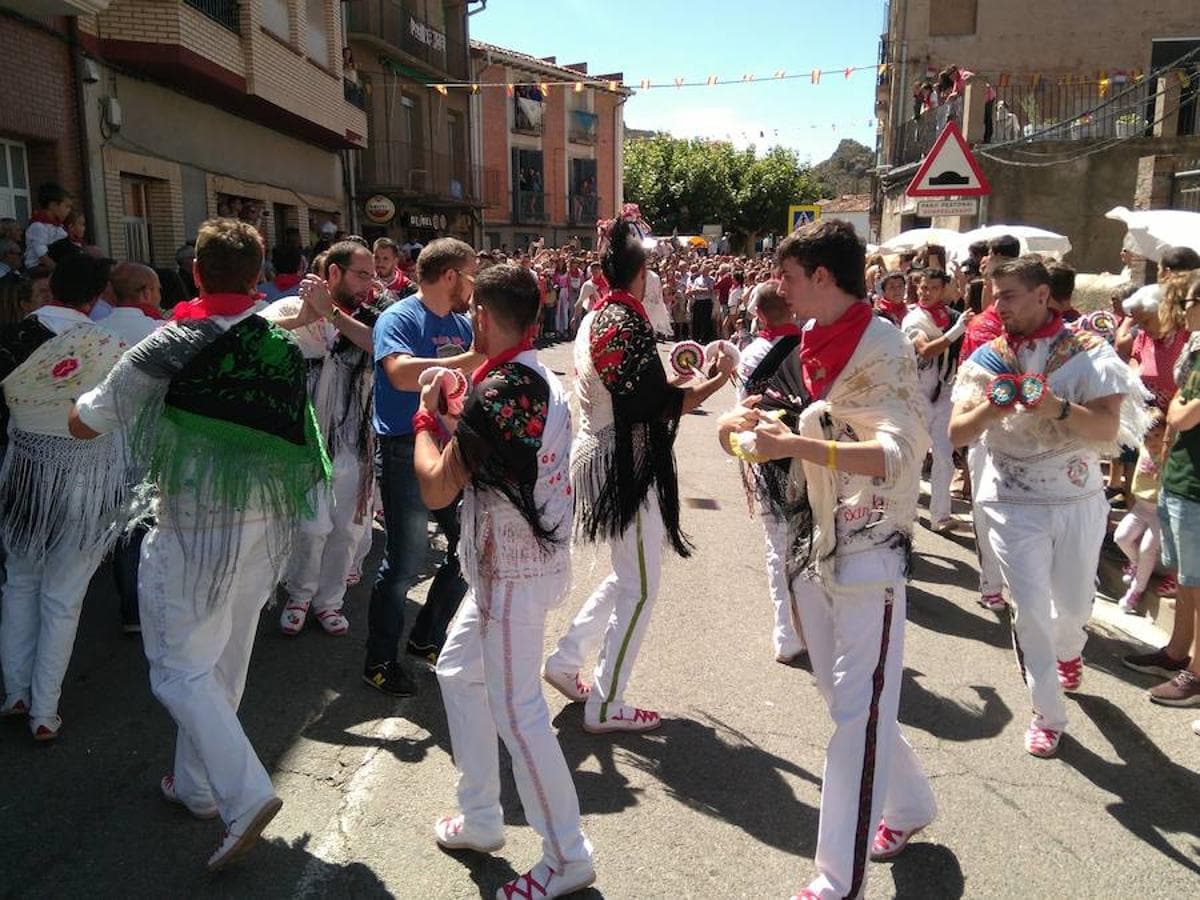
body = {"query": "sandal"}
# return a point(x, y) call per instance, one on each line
point(333, 621)
point(293, 618)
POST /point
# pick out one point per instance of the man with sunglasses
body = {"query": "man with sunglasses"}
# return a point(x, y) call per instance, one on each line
point(421, 331)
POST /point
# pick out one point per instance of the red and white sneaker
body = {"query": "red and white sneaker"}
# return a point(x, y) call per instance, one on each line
point(805, 894)
point(993, 602)
point(625, 718)
point(543, 881)
point(14, 708)
point(569, 684)
point(333, 621)
point(1070, 673)
point(1042, 742)
point(167, 786)
point(45, 730)
point(453, 833)
point(291, 622)
point(889, 842)
point(236, 843)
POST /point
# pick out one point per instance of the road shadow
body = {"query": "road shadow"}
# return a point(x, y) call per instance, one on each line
point(935, 613)
point(949, 719)
point(703, 763)
point(1148, 806)
point(927, 872)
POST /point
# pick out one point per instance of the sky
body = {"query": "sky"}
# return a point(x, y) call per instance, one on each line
point(661, 40)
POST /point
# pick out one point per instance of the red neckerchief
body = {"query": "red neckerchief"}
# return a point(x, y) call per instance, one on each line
point(287, 282)
point(398, 282)
point(983, 328)
point(939, 314)
point(45, 218)
point(825, 349)
point(213, 305)
point(897, 310)
point(777, 331)
point(601, 283)
point(624, 298)
point(1052, 327)
point(148, 310)
point(495, 362)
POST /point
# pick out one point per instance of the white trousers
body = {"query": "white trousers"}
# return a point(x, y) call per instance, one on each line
point(328, 544)
point(990, 580)
point(1139, 537)
point(38, 620)
point(1048, 556)
point(199, 657)
point(942, 471)
point(856, 644)
point(490, 674)
point(787, 637)
point(617, 613)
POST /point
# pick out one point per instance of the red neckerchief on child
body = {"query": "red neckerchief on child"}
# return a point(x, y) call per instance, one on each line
point(777, 331)
point(893, 310)
point(939, 314)
point(624, 298)
point(1052, 327)
point(825, 349)
point(494, 362)
point(208, 305)
point(287, 282)
point(45, 218)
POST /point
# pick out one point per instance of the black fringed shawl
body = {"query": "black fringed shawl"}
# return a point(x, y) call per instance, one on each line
point(646, 413)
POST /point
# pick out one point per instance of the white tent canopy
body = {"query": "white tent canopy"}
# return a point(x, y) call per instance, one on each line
point(916, 238)
point(1151, 231)
point(1032, 240)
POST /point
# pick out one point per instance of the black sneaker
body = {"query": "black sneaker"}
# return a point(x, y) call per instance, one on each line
point(1156, 663)
point(390, 678)
point(426, 652)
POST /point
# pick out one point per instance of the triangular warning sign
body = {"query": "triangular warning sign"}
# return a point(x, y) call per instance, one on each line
point(949, 169)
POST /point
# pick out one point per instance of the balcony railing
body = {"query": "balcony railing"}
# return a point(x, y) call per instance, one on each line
point(583, 209)
point(403, 168)
point(224, 12)
point(354, 94)
point(391, 22)
point(529, 206)
point(583, 126)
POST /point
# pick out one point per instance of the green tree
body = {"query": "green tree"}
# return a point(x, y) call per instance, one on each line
point(686, 184)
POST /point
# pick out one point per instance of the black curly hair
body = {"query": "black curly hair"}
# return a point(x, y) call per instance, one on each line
point(623, 255)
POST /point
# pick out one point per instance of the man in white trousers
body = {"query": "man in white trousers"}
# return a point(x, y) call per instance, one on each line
point(625, 485)
point(509, 456)
point(334, 332)
point(858, 444)
point(1045, 403)
point(934, 328)
point(770, 366)
point(215, 407)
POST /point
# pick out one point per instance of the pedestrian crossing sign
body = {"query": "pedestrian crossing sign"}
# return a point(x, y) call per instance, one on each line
point(802, 214)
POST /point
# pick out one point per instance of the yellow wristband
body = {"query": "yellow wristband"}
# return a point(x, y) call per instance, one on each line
point(831, 449)
point(334, 313)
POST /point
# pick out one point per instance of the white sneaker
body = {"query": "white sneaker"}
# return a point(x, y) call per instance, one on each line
point(453, 834)
point(543, 881)
point(623, 718)
point(569, 684)
point(1196, 726)
point(167, 786)
point(293, 617)
point(236, 843)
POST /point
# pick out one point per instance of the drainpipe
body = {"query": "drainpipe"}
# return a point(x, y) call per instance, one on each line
point(81, 121)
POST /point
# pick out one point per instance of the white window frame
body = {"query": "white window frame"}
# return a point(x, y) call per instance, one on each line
point(9, 194)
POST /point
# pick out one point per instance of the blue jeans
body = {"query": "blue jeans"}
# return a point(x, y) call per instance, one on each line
point(1180, 519)
point(407, 521)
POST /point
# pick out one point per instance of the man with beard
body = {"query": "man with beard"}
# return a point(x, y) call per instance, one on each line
point(387, 268)
point(415, 334)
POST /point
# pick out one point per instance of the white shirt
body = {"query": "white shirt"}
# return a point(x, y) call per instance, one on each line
point(38, 238)
point(129, 324)
point(101, 310)
point(59, 318)
point(587, 295)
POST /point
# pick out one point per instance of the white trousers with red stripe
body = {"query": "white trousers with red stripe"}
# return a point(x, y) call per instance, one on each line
point(856, 645)
point(787, 638)
point(617, 614)
point(490, 674)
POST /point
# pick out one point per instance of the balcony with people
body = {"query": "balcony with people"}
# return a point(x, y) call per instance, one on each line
point(393, 25)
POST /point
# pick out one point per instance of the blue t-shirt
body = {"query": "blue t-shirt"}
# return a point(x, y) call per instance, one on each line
point(408, 327)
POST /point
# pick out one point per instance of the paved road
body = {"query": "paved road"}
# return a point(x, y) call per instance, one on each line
point(721, 802)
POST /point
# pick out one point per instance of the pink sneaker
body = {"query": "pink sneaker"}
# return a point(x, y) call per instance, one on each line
point(1042, 742)
point(889, 842)
point(993, 602)
point(291, 622)
point(1070, 673)
point(1129, 602)
point(333, 621)
point(805, 894)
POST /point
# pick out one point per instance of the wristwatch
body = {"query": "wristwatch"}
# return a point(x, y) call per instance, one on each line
point(1063, 411)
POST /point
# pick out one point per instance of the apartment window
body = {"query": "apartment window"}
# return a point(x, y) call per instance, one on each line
point(277, 18)
point(14, 181)
point(135, 202)
point(457, 137)
point(952, 17)
point(316, 32)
